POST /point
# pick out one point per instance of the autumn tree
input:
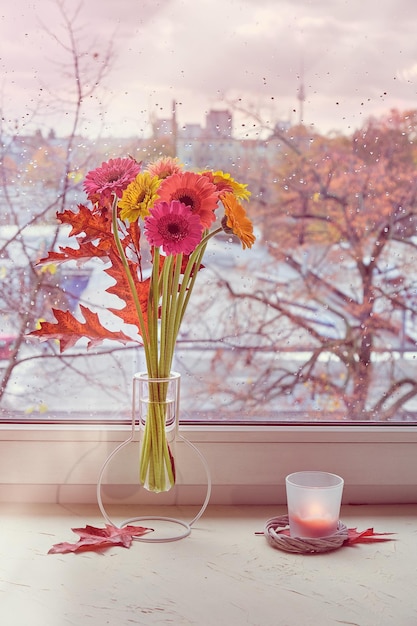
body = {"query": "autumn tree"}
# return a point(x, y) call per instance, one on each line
point(342, 297)
point(37, 178)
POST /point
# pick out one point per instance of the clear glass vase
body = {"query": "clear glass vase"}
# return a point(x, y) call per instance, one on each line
point(156, 407)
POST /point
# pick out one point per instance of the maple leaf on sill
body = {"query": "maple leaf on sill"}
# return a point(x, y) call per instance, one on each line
point(68, 329)
point(366, 536)
point(95, 539)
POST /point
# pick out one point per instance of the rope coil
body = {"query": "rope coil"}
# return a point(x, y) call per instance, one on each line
point(302, 545)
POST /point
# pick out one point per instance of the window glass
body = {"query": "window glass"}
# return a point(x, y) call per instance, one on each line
point(312, 105)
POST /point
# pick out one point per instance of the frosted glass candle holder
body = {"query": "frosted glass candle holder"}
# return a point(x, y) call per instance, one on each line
point(313, 500)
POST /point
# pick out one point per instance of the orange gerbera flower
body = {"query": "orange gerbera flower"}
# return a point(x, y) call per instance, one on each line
point(193, 190)
point(236, 221)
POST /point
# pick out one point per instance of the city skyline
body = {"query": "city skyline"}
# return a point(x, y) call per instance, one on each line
point(351, 60)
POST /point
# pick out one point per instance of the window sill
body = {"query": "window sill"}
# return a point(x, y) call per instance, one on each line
point(248, 464)
point(223, 573)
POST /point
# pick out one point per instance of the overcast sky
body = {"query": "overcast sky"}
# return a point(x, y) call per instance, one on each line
point(358, 57)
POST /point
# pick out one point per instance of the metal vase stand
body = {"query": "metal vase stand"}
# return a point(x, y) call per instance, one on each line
point(185, 526)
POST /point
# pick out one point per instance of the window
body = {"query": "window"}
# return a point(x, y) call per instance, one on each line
point(317, 321)
point(313, 107)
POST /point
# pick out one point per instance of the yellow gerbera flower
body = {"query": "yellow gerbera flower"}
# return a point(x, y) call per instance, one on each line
point(224, 182)
point(236, 221)
point(139, 197)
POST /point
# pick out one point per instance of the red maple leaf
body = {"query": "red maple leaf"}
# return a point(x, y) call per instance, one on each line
point(95, 539)
point(68, 329)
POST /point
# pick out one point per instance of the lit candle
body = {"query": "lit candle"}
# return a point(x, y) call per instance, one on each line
point(313, 523)
point(313, 503)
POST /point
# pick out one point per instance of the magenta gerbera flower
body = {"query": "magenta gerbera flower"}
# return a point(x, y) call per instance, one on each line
point(174, 227)
point(112, 177)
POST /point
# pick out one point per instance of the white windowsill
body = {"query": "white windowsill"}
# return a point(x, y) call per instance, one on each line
point(224, 572)
point(248, 464)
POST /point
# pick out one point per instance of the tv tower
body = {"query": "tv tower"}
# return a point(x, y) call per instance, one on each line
point(174, 127)
point(301, 96)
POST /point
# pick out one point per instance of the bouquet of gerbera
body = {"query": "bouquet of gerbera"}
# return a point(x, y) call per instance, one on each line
point(175, 211)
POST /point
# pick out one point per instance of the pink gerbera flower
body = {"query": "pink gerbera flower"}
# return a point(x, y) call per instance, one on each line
point(164, 166)
point(112, 177)
point(174, 227)
point(193, 190)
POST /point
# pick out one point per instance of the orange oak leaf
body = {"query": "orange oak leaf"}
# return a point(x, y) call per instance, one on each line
point(68, 329)
point(95, 539)
point(94, 225)
point(84, 252)
point(134, 231)
point(87, 226)
point(121, 288)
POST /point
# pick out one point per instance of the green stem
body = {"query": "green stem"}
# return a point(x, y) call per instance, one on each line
point(157, 471)
point(153, 304)
point(189, 278)
point(168, 289)
point(172, 295)
point(156, 465)
point(142, 325)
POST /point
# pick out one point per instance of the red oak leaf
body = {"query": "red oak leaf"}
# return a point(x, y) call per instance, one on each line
point(354, 536)
point(68, 329)
point(365, 536)
point(95, 539)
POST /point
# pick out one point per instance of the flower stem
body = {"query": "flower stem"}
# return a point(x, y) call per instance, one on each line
point(156, 464)
point(172, 293)
point(142, 325)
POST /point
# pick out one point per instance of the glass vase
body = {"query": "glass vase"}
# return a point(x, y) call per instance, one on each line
point(156, 407)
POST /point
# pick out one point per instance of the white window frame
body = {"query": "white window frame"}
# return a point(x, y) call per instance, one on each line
point(248, 464)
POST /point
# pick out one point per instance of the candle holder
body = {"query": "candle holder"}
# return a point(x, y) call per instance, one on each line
point(312, 524)
point(278, 537)
point(313, 500)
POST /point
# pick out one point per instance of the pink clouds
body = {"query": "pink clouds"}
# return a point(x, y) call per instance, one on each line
point(180, 49)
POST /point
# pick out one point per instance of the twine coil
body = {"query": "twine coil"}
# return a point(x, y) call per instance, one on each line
point(302, 545)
